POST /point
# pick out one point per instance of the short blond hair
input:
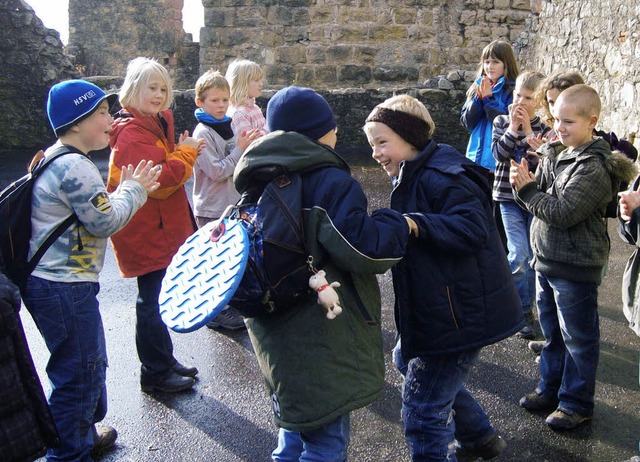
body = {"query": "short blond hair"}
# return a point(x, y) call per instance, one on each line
point(208, 80)
point(239, 73)
point(410, 105)
point(139, 72)
point(584, 98)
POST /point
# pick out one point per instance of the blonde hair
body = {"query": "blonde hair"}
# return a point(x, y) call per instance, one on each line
point(584, 98)
point(557, 81)
point(139, 72)
point(211, 79)
point(503, 52)
point(410, 105)
point(239, 73)
point(529, 80)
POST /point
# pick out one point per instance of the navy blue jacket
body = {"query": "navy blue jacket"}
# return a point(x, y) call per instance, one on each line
point(454, 290)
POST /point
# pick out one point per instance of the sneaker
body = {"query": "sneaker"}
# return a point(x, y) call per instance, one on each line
point(538, 402)
point(528, 332)
point(184, 371)
point(168, 383)
point(537, 345)
point(562, 419)
point(489, 450)
point(104, 438)
point(228, 319)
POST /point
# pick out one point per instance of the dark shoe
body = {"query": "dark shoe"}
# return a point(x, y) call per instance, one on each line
point(528, 332)
point(489, 450)
point(228, 319)
point(169, 383)
point(104, 438)
point(537, 345)
point(535, 402)
point(184, 371)
point(562, 419)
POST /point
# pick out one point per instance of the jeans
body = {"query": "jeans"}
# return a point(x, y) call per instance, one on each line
point(517, 224)
point(68, 318)
point(325, 444)
point(568, 313)
point(437, 409)
point(154, 345)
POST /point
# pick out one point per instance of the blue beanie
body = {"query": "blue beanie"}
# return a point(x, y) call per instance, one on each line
point(73, 100)
point(301, 110)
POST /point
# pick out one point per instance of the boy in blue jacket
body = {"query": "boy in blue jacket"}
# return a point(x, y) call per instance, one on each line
point(454, 290)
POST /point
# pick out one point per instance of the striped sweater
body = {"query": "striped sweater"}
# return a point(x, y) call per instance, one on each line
point(507, 145)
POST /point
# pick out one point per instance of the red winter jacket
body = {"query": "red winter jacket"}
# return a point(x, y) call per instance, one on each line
point(154, 234)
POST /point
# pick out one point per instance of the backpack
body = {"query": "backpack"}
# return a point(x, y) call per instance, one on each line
point(278, 266)
point(15, 213)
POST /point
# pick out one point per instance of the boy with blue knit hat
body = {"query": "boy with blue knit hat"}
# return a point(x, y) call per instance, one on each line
point(61, 293)
point(343, 356)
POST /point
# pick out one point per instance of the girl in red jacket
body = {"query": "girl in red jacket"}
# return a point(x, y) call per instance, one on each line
point(144, 248)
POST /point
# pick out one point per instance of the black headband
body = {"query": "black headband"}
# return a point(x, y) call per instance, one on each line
point(410, 128)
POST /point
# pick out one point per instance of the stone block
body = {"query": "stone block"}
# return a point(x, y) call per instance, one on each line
point(354, 74)
point(249, 17)
point(347, 33)
point(501, 4)
point(362, 14)
point(395, 74)
point(288, 55)
point(233, 37)
point(322, 15)
point(405, 16)
point(279, 15)
point(327, 75)
point(388, 32)
point(316, 55)
point(468, 17)
point(339, 54)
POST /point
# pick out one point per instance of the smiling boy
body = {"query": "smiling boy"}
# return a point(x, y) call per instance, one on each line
point(568, 195)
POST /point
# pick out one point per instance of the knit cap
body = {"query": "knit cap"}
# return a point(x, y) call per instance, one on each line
point(73, 100)
point(301, 110)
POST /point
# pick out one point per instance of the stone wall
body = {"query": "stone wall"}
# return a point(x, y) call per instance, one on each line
point(601, 40)
point(31, 61)
point(104, 36)
point(355, 43)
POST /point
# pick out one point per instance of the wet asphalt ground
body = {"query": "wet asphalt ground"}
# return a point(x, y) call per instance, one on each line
point(227, 416)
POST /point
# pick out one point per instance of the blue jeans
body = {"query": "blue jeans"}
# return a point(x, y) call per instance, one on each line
point(436, 407)
point(568, 313)
point(68, 318)
point(517, 224)
point(154, 345)
point(325, 444)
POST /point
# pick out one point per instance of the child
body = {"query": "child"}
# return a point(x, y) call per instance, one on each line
point(488, 97)
point(245, 79)
point(551, 88)
point(628, 229)
point(144, 248)
point(454, 290)
point(510, 141)
point(318, 370)
point(213, 188)
point(61, 293)
point(568, 196)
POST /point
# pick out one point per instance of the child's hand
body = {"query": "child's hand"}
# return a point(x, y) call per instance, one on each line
point(629, 201)
point(245, 138)
point(187, 140)
point(519, 175)
point(145, 174)
point(535, 141)
point(484, 89)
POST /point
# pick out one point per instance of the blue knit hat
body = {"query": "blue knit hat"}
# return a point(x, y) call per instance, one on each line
point(302, 110)
point(73, 100)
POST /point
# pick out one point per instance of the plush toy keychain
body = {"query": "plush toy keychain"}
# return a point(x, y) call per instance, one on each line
point(327, 297)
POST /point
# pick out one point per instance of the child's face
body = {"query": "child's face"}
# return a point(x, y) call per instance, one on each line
point(524, 97)
point(552, 97)
point(93, 131)
point(572, 129)
point(493, 68)
point(215, 102)
point(255, 88)
point(389, 149)
point(153, 96)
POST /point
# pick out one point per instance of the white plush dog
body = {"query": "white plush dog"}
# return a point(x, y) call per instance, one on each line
point(327, 297)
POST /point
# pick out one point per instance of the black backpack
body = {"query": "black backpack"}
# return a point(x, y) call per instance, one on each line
point(279, 266)
point(15, 214)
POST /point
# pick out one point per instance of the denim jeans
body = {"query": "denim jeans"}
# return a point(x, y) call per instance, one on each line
point(436, 407)
point(517, 224)
point(68, 318)
point(154, 345)
point(568, 313)
point(325, 444)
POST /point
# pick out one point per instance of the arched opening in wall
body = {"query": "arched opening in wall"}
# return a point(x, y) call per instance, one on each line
point(193, 18)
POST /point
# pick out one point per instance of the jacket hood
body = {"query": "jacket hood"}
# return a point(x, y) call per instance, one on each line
point(160, 126)
point(282, 152)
